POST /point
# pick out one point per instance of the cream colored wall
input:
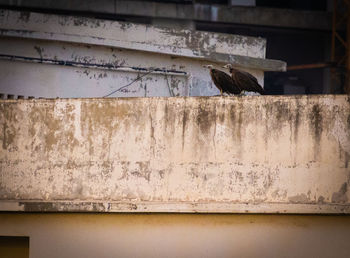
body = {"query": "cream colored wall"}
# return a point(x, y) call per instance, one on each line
point(170, 235)
point(221, 154)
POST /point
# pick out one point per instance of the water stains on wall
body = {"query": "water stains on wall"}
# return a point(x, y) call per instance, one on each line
point(263, 150)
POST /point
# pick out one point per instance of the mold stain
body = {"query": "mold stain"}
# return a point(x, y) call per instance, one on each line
point(205, 118)
point(96, 117)
point(153, 139)
point(297, 120)
point(143, 171)
point(8, 137)
point(184, 122)
point(347, 159)
point(8, 128)
point(300, 198)
point(282, 113)
point(235, 114)
point(316, 121)
point(240, 123)
point(198, 42)
point(24, 16)
point(321, 200)
point(340, 196)
point(222, 113)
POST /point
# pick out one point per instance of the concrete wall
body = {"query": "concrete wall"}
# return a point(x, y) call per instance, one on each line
point(94, 57)
point(181, 235)
point(218, 154)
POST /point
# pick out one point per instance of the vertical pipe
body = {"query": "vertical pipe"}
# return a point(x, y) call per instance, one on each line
point(334, 29)
point(333, 70)
point(347, 83)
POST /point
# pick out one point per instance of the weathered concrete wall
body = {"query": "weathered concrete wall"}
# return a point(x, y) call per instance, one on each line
point(179, 235)
point(218, 154)
point(95, 57)
point(45, 80)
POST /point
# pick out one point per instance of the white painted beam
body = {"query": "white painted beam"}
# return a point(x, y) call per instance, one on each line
point(242, 51)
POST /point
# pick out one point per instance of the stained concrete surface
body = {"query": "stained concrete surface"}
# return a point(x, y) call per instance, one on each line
point(220, 154)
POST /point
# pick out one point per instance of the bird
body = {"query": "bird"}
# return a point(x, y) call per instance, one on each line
point(223, 81)
point(244, 80)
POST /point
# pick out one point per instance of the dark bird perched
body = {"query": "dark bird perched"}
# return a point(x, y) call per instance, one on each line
point(244, 80)
point(223, 81)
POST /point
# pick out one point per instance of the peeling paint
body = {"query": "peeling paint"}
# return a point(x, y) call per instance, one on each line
point(194, 44)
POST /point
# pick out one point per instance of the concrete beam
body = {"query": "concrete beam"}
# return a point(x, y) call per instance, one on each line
point(215, 47)
point(256, 16)
point(95, 71)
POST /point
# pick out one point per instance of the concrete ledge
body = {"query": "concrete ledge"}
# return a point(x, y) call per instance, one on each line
point(261, 154)
point(172, 207)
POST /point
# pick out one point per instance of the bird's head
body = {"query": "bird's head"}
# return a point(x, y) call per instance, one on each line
point(227, 66)
point(208, 66)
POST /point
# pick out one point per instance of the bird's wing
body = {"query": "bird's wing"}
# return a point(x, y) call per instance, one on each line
point(250, 76)
point(224, 82)
point(215, 76)
point(246, 83)
point(229, 84)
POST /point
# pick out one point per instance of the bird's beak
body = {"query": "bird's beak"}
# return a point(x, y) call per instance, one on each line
point(225, 66)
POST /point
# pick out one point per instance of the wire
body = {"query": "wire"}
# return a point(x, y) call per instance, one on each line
point(108, 66)
point(123, 87)
point(167, 82)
